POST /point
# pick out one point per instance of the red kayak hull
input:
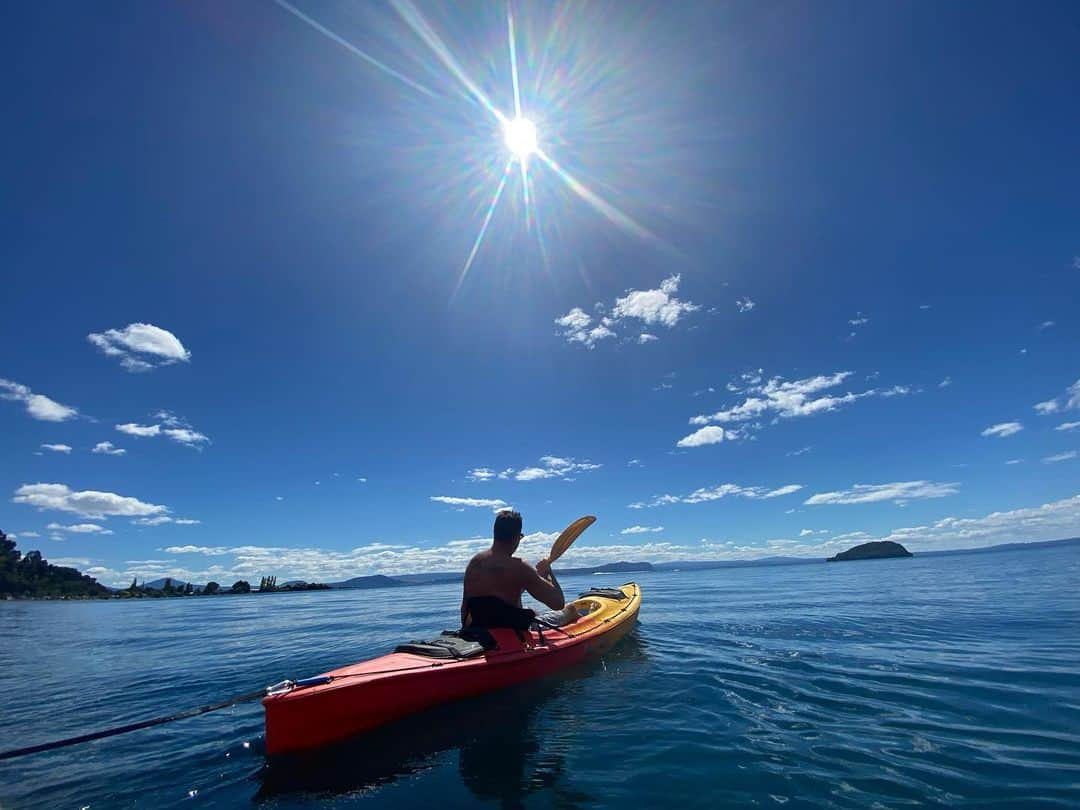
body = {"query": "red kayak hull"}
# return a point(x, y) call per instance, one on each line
point(372, 693)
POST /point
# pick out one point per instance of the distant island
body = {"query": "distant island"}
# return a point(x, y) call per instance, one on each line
point(877, 550)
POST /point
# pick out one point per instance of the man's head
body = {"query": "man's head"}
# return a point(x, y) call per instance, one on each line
point(508, 529)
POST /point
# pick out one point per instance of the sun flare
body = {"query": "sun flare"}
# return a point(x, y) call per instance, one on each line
point(520, 137)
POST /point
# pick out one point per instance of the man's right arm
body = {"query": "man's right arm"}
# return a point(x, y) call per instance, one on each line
point(544, 589)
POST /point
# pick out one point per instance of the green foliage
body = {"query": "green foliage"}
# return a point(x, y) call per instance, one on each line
point(212, 588)
point(241, 586)
point(32, 575)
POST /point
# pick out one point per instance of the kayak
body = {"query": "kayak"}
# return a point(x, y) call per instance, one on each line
point(342, 703)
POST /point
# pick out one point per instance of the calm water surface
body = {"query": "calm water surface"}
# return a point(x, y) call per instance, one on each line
point(947, 680)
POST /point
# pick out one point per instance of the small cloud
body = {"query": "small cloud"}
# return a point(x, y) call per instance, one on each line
point(634, 462)
point(1066, 456)
point(642, 530)
point(278, 498)
point(745, 304)
point(897, 492)
point(171, 426)
point(141, 346)
point(945, 383)
point(481, 503)
point(361, 480)
point(88, 503)
point(706, 494)
point(1003, 429)
point(1015, 461)
point(1068, 426)
point(799, 452)
point(656, 307)
point(1046, 325)
point(924, 307)
point(38, 406)
point(57, 448)
point(859, 320)
point(1068, 401)
point(108, 449)
point(79, 528)
point(711, 434)
point(577, 327)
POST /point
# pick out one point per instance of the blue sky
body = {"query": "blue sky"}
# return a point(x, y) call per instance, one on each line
point(788, 277)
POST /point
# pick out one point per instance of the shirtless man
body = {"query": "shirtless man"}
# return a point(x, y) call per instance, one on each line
point(495, 580)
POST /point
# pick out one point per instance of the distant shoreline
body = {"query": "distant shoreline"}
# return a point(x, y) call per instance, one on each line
point(380, 581)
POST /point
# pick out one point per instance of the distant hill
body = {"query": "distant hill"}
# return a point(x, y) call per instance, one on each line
point(373, 581)
point(700, 565)
point(158, 584)
point(1004, 547)
point(609, 568)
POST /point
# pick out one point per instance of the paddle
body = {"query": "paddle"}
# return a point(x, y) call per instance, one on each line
point(569, 535)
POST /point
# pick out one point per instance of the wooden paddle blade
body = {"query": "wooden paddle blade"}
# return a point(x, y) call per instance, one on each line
point(569, 535)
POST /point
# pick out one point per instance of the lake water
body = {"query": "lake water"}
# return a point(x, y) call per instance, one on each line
point(951, 680)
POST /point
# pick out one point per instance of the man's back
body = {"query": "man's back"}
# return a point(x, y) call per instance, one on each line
point(491, 574)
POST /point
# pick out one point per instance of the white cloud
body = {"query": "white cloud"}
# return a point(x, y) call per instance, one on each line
point(171, 426)
point(26, 534)
point(57, 448)
point(186, 436)
point(38, 406)
point(646, 307)
point(210, 551)
point(924, 307)
point(153, 521)
point(361, 480)
point(945, 383)
point(578, 327)
point(187, 522)
point(88, 503)
point(1015, 461)
point(1068, 426)
point(706, 494)
point(549, 467)
point(108, 449)
point(711, 434)
point(787, 400)
point(634, 462)
point(642, 530)
point(659, 306)
point(142, 431)
point(79, 528)
point(1003, 429)
point(1068, 401)
point(489, 503)
point(1046, 325)
point(141, 346)
point(1066, 456)
point(799, 452)
point(898, 492)
point(859, 320)
point(745, 304)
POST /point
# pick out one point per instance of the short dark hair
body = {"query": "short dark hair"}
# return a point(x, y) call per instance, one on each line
point(507, 526)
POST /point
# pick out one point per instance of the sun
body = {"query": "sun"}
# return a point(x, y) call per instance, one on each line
point(520, 137)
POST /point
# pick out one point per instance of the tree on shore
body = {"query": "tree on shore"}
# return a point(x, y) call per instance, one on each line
point(32, 575)
point(241, 586)
point(212, 588)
